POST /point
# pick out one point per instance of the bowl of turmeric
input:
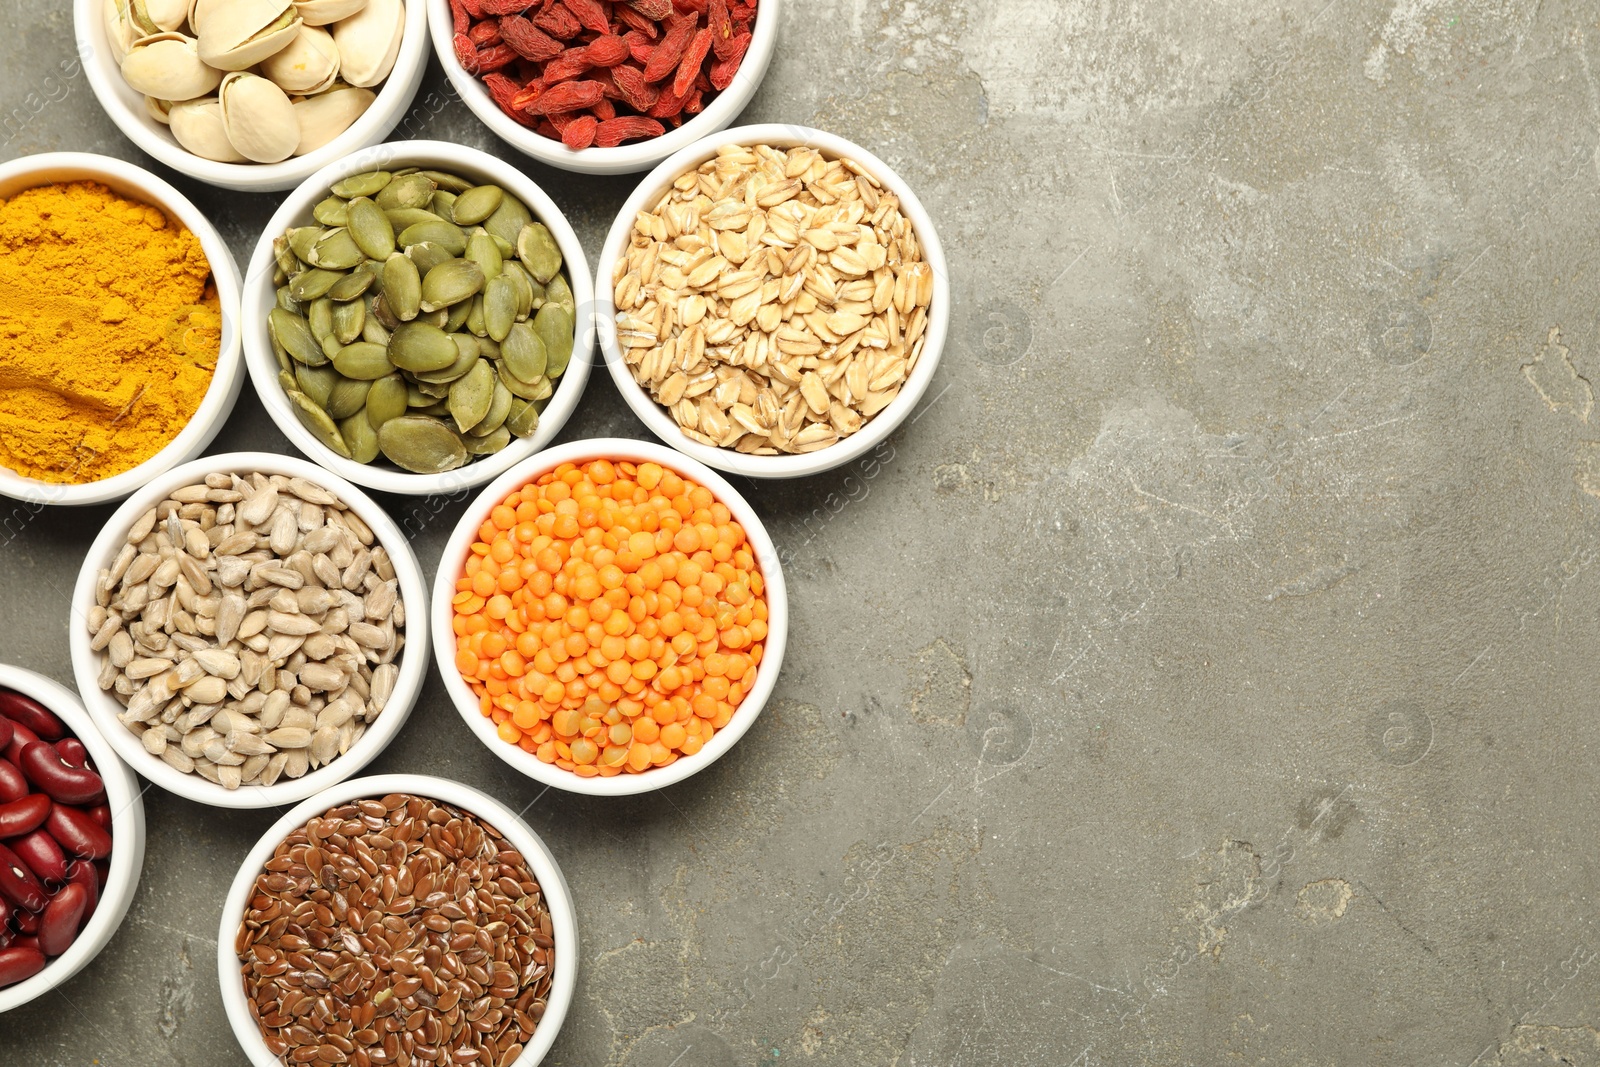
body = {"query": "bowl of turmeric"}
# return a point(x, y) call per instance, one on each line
point(125, 356)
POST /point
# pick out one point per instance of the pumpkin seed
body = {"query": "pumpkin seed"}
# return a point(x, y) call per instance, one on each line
point(386, 400)
point(538, 251)
point(507, 220)
point(447, 235)
point(420, 444)
point(482, 250)
point(495, 417)
point(450, 283)
point(489, 443)
point(443, 204)
point(474, 323)
point(499, 306)
point(402, 287)
point(336, 250)
point(417, 346)
point(416, 398)
point(293, 333)
point(353, 285)
point(517, 387)
point(287, 301)
point(314, 419)
point(310, 284)
point(428, 255)
point(457, 317)
point(471, 394)
point(368, 184)
point(315, 382)
point(363, 361)
point(359, 437)
point(371, 229)
point(450, 183)
point(287, 261)
point(320, 316)
point(334, 211)
point(476, 204)
point(413, 190)
point(348, 320)
point(468, 347)
point(400, 218)
point(554, 325)
point(301, 238)
point(523, 353)
point(346, 398)
point(559, 292)
point(523, 419)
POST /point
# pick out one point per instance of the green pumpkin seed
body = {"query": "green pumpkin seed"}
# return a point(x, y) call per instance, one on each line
point(368, 184)
point(450, 183)
point(285, 364)
point(482, 250)
point(359, 437)
point(336, 250)
point(458, 316)
point(499, 408)
point(450, 283)
point(523, 354)
point(310, 284)
point(321, 319)
point(474, 323)
point(286, 379)
point(489, 347)
point(371, 229)
point(413, 190)
point(401, 286)
point(287, 301)
point(446, 235)
point(381, 313)
point(301, 238)
point(421, 445)
point(440, 318)
point(490, 443)
point(427, 256)
point(417, 346)
point(416, 398)
point(315, 382)
point(499, 306)
point(519, 388)
point(554, 325)
point(525, 287)
point(287, 261)
point(471, 394)
point(468, 347)
point(386, 400)
point(443, 204)
point(314, 419)
point(346, 398)
point(477, 204)
point(353, 285)
point(508, 219)
point(400, 218)
point(523, 419)
point(293, 333)
point(334, 211)
point(375, 331)
point(506, 249)
point(538, 251)
point(435, 391)
point(363, 361)
point(348, 320)
point(560, 292)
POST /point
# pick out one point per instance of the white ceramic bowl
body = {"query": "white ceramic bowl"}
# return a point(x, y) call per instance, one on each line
point(626, 158)
point(103, 708)
point(126, 801)
point(259, 300)
point(557, 897)
point(127, 109)
point(138, 184)
point(454, 557)
point(659, 420)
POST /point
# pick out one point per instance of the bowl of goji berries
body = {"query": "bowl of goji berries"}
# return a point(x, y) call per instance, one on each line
point(605, 87)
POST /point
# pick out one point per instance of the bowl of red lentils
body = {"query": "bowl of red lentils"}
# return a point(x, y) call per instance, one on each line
point(610, 617)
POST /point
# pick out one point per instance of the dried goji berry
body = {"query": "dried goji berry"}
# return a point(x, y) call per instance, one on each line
point(589, 14)
point(460, 21)
point(497, 58)
point(528, 95)
point(664, 60)
point(466, 52)
point(723, 71)
point(636, 92)
point(568, 96)
point(484, 34)
point(639, 49)
point(606, 51)
point(529, 41)
point(655, 10)
point(474, 8)
point(559, 23)
point(605, 110)
point(627, 128)
point(546, 128)
point(667, 105)
point(627, 16)
point(721, 27)
point(504, 91)
point(693, 7)
point(504, 7)
point(579, 133)
point(695, 102)
point(565, 67)
point(742, 12)
point(693, 57)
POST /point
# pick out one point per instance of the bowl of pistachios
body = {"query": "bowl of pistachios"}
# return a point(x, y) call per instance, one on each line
point(253, 94)
point(418, 318)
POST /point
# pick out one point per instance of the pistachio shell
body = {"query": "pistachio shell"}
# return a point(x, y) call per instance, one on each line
point(322, 12)
point(309, 63)
point(325, 116)
point(369, 41)
point(163, 14)
point(120, 29)
point(168, 66)
point(158, 109)
point(197, 126)
point(241, 33)
point(258, 117)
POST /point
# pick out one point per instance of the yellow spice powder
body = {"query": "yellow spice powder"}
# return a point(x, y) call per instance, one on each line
point(112, 332)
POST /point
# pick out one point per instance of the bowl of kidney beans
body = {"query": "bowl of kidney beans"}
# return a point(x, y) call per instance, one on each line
point(71, 837)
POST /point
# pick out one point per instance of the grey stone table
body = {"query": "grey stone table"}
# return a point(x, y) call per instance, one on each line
point(1206, 676)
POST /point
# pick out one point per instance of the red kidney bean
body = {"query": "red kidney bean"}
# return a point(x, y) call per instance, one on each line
point(18, 882)
point(101, 814)
point(20, 737)
point(66, 785)
point(32, 714)
point(82, 873)
point(13, 783)
point(24, 816)
point(40, 853)
point(6, 731)
point(59, 923)
point(20, 962)
point(26, 922)
point(7, 910)
point(72, 752)
point(77, 833)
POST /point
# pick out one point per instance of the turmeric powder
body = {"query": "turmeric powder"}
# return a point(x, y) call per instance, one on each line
point(112, 332)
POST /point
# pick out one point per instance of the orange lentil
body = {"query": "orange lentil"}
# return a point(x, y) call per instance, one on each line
point(610, 617)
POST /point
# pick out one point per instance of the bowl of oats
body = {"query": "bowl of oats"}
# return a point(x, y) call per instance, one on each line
point(773, 301)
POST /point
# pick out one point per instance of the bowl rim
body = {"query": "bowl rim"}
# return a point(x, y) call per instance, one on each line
point(557, 894)
point(373, 125)
point(126, 800)
point(256, 301)
point(634, 451)
point(626, 158)
point(885, 422)
point(413, 661)
point(134, 182)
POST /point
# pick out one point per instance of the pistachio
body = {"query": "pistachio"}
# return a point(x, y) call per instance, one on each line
point(162, 14)
point(369, 41)
point(241, 33)
point(421, 444)
point(308, 64)
point(197, 126)
point(121, 31)
point(168, 66)
point(160, 110)
point(323, 12)
point(258, 117)
point(323, 117)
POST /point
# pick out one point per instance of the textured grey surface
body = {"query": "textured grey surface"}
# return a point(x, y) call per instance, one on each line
point(1206, 676)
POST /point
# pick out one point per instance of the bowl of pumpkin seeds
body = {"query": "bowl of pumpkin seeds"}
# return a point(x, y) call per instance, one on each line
point(418, 318)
